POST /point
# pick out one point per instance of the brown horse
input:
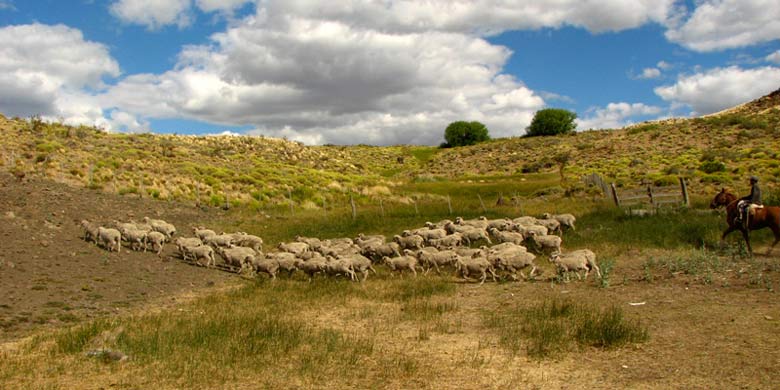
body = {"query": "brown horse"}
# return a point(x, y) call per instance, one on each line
point(768, 216)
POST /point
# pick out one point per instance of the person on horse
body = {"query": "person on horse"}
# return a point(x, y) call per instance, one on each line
point(753, 199)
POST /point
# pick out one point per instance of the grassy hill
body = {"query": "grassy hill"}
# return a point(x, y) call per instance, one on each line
point(720, 149)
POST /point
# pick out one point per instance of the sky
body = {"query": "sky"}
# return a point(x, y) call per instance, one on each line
point(379, 72)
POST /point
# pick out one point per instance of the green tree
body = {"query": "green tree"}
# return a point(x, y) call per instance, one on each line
point(462, 133)
point(552, 121)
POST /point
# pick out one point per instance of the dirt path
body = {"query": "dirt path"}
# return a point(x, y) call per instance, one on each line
point(49, 276)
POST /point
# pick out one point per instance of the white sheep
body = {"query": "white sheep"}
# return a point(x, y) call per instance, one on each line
point(311, 267)
point(199, 252)
point(260, 264)
point(296, 248)
point(401, 263)
point(525, 221)
point(236, 256)
point(161, 226)
point(502, 236)
point(545, 243)
point(436, 259)
point(513, 261)
point(377, 250)
point(90, 231)
point(475, 265)
point(313, 242)
point(136, 238)
point(249, 241)
point(479, 223)
point(551, 224)
point(203, 233)
point(566, 220)
point(530, 230)
point(359, 263)
point(575, 261)
point(337, 267)
point(409, 242)
point(449, 241)
point(182, 242)
point(220, 240)
point(110, 238)
point(473, 234)
point(157, 241)
point(285, 260)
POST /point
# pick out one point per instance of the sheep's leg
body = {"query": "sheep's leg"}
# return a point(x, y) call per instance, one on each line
point(484, 276)
point(414, 271)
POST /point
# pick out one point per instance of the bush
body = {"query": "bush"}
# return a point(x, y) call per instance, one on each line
point(464, 133)
point(552, 121)
point(712, 166)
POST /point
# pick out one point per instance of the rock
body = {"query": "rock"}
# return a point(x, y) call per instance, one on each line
point(10, 215)
point(108, 355)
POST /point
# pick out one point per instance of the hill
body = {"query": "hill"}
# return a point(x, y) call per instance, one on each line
point(715, 150)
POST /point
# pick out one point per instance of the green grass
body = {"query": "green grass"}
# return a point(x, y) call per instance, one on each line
point(551, 327)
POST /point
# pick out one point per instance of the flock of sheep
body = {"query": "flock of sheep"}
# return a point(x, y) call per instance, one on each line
point(435, 246)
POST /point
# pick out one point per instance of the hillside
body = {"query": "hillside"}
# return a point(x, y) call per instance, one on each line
point(716, 150)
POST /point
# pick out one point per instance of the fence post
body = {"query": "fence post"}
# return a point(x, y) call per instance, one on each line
point(324, 206)
point(354, 209)
point(481, 203)
point(684, 188)
point(615, 195)
point(381, 207)
point(650, 194)
point(449, 204)
point(416, 210)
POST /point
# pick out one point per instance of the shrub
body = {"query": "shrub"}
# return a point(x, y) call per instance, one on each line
point(552, 121)
point(464, 133)
point(712, 166)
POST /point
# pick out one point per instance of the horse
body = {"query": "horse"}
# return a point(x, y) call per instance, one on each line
point(768, 216)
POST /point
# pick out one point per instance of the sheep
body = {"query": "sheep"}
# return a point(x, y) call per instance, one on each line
point(181, 242)
point(566, 220)
point(500, 224)
point(530, 230)
point(429, 234)
point(203, 233)
point(574, 261)
point(544, 243)
point(313, 242)
point(409, 242)
point(513, 261)
point(136, 238)
point(220, 240)
point(269, 266)
point(434, 259)
point(311, 267)
point(525, 221)
point(502, 236)
point(199, 252)
point(479, 223)
point(249, 241)
point(508, 246)
point(157, 241)
point(374, 237)
point(449, 241)
point(475, 234)
point(338, 241)
point(110, 238)
point(402, 262)
point(296, 248)
point(359, 263)
point(475, 265)
point(341, 248)
point(161, 226)
point(311, 256)
point(236, 256)
point(438, 225)
point(552, 225)
point(471, 252)
point(124, 227)
point(285, 260)
point(337, 267)
point(90, 230)
point(378, 250)
point(364, 242)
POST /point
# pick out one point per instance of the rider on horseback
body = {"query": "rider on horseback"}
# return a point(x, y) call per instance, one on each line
point(753, 199)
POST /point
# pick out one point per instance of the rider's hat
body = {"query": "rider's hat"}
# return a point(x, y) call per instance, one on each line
point(754, 179)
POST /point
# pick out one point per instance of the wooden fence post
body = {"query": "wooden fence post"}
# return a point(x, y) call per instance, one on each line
point(324, 206)
point(381, 207)
point(650, 194)
point(354, 209)
point(615, 195)
point(684, 188)
point(416, 210)
point(449, 204)
point(484, 209)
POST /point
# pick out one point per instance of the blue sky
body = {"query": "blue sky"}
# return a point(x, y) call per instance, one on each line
point(379, 72)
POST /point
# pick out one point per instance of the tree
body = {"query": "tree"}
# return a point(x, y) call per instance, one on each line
point(552, 121)
point(464, 133)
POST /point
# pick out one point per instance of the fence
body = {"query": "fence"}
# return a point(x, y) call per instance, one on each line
point(652, 197)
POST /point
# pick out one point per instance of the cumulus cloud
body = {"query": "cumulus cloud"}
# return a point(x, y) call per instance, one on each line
point(725, 24)
point(46, 69)
point(326, 81)
point(220, 5)
point(720, 88)
point(153, 14)
point(774, 57)
point(650, 73)
point(7, 5)
point(616, 115)
point(663, 65)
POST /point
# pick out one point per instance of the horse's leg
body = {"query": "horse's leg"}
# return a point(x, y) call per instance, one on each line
point(726, 233)
point(776, 231)
point(747, 240)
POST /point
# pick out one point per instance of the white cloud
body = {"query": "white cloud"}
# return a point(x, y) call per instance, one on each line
point(774, 57)
point(720, 88)
point(725, 24)
point(650, 73)
point(153, 14)
point(45, 69)
point(7, 5)
point(322, 81)
point(615, 115)
point(663, 65)
point(220, 5)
